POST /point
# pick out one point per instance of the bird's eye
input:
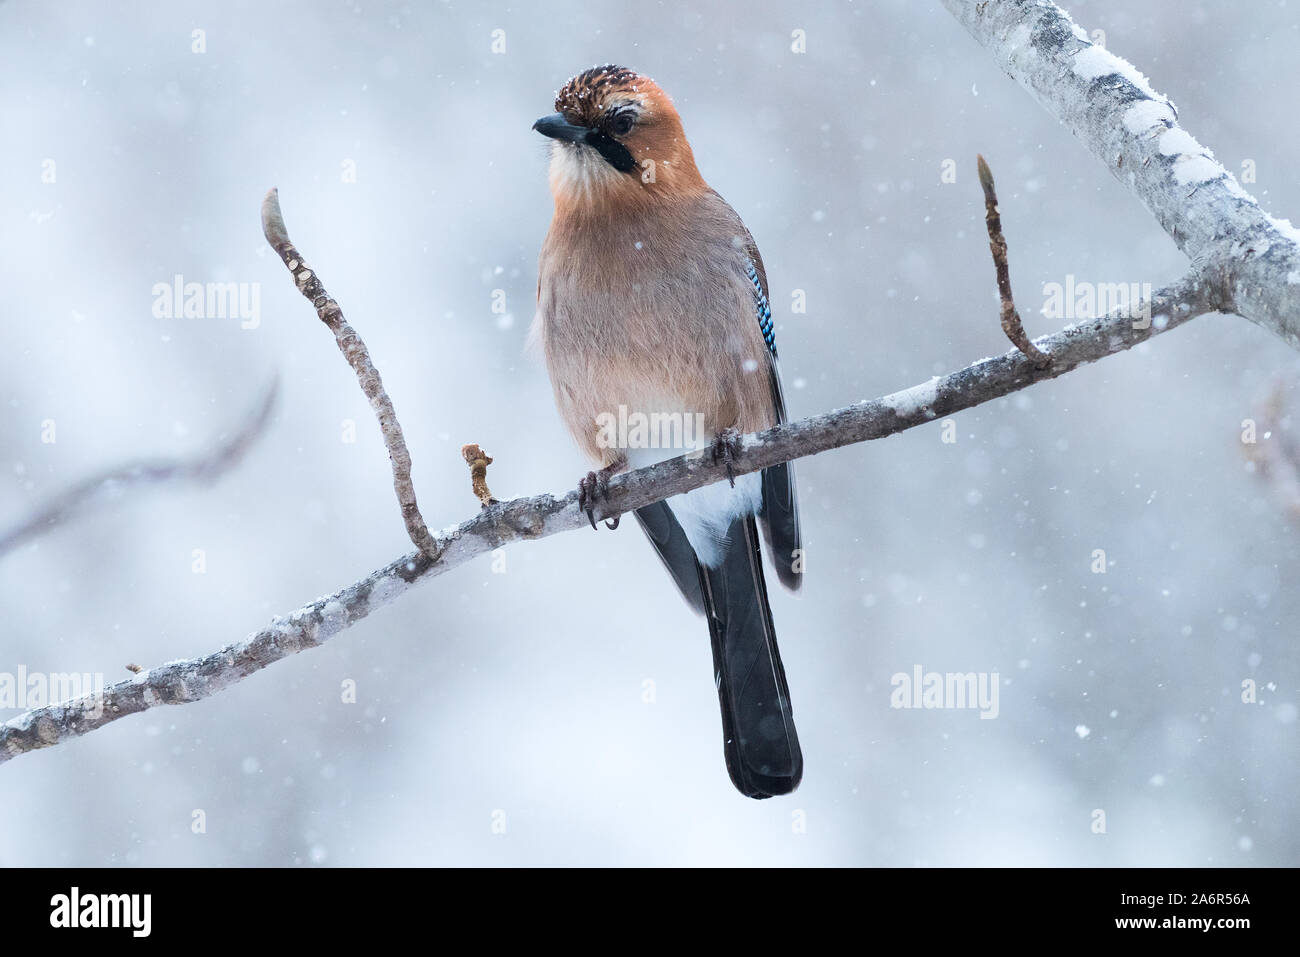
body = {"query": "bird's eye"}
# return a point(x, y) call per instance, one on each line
point(623, 123)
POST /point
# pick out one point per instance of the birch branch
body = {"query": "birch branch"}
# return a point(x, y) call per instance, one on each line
point(204, 466)
point(179, 682)
point(1115, 113)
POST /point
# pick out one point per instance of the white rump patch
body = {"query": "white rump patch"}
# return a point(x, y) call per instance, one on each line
point(706, 513)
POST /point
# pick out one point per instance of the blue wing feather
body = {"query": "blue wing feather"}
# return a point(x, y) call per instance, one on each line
point(762, 307)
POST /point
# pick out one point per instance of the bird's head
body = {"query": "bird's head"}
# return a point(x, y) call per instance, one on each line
point(616, 136)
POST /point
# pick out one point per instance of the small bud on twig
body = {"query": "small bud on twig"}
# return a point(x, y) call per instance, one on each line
point(478, 462)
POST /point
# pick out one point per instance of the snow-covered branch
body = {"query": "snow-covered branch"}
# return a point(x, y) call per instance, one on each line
point(179, 682)
point(1134, 130)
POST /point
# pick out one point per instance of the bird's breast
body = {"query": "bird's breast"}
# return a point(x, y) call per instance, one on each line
point(647, 318)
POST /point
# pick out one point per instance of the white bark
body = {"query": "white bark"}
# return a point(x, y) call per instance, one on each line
point(1122, 121)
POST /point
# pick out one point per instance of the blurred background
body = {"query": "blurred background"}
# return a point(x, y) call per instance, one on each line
point(560, 709)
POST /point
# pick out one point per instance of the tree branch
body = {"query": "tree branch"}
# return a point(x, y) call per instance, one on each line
point(1010, 316)
point(180, 682)
point(204, 466)
point(358, 356)
point(1116, 114)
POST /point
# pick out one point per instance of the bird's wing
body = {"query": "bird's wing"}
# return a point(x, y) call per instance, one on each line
point(779, 514)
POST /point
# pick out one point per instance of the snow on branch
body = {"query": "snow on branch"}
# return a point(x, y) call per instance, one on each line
point(179, 682)
point(1110, 106)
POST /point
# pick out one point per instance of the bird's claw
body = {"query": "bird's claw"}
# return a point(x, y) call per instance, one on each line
point(587, 497)
point(727, 448)
point(591, 488)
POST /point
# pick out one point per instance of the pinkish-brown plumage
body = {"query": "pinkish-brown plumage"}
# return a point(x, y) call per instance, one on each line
point(642, 296)
point(650, 295)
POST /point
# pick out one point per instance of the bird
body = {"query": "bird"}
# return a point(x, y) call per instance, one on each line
point(652, 300)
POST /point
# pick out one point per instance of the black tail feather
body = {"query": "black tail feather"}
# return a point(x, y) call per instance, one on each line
point(665, 533)
point(759, 739)
point(779, 520)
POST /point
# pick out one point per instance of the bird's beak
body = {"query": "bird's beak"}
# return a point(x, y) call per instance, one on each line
point(558, 128)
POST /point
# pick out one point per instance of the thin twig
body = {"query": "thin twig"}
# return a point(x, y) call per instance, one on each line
point(204, 466)
point(358, 356)
point(1011, 323)
point(180, 682)
point(478, 462)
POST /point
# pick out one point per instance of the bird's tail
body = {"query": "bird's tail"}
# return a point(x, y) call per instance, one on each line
point(759, 739)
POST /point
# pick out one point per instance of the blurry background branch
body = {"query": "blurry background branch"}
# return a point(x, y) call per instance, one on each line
point(1272, 451)
point(204, 466)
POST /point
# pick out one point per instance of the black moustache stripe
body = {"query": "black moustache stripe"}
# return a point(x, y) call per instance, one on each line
point(616, 154)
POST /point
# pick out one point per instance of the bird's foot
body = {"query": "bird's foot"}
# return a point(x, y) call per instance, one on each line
point(593, 487)
point(726, 448)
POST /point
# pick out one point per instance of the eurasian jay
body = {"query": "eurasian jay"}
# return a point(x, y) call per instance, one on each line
point(652, 299)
